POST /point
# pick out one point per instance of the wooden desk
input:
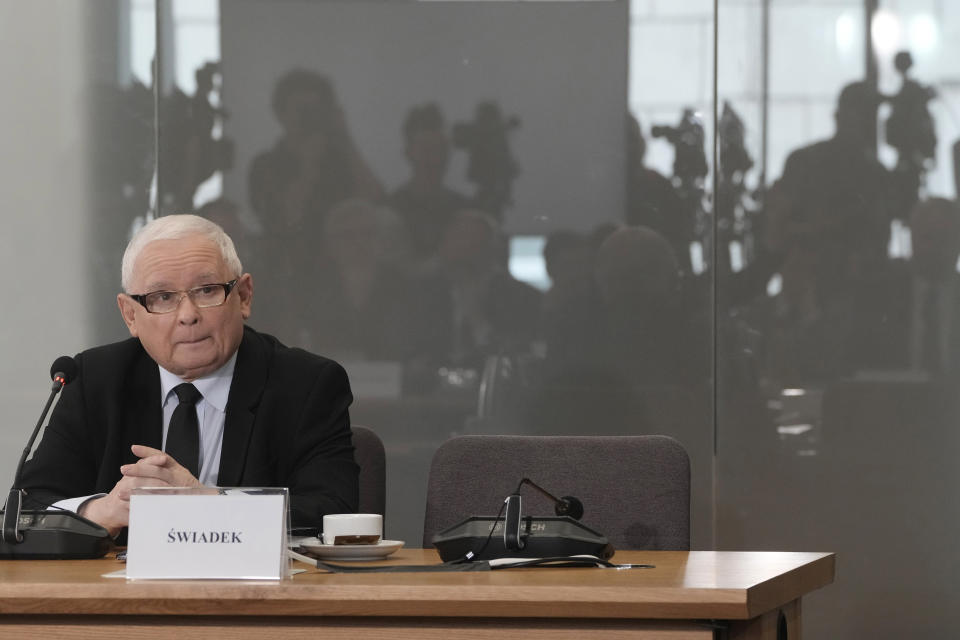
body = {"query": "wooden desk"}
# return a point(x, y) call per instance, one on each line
point(684, 597)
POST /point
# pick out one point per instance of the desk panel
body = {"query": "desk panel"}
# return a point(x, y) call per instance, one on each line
point(749, 589)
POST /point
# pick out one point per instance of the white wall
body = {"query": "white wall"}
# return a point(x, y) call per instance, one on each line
point(44, 284)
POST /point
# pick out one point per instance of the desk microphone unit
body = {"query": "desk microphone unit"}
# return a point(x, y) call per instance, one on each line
point(542, 536)
point(41, 534)
point(515, 536)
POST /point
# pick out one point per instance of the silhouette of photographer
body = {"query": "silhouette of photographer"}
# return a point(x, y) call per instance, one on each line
point(653, 201)
point(831, 204)
point(910, 130)
point(424, 203)
point(313, 165)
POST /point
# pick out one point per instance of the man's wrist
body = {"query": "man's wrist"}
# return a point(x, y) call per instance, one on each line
point(92, 510)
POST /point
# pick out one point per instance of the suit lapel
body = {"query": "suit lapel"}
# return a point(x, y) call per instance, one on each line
point(249, 378)
point(141, 406)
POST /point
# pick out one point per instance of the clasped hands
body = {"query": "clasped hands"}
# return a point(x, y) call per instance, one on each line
point(154, 469)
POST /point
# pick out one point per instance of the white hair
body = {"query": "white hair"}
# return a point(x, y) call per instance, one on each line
point(175, 227)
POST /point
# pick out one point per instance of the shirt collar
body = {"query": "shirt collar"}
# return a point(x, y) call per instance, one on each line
point(215, 387)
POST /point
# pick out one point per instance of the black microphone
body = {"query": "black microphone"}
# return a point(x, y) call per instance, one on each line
point(512, 537)
point(48, 534)
point(62, 371)
point(565, 506)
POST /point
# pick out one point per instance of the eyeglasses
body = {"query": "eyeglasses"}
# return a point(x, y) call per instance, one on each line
point(206, 295)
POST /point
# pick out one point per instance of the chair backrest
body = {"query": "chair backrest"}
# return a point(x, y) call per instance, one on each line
point(370, 457)
point(635, 489)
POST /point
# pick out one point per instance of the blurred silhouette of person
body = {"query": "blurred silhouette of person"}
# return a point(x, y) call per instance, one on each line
point(910, 130)
point(601, 232)
point(638, 338)
point(735, 206)
point(690, 169)
point(805, 342)
point(364, 303)
point(832, 201)
point(570, 304)
point(652, 200)
point(908, 313)
point(424, 202)
point(492, 312)
point(934, 338)
point(190, 151)
point(650, 338)
point(123, 121)
point(797, 336)
point(568, 258)
point(313, 165)
point(491, 166)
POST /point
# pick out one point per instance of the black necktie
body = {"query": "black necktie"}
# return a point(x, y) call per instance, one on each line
point(183, 436)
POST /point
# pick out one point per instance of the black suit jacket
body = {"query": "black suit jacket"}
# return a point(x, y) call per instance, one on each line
point(286, 426)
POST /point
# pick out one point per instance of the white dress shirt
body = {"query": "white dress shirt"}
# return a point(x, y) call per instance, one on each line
point(211, 413)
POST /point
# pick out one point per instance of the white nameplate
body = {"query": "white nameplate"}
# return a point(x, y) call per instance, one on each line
point(207, 533)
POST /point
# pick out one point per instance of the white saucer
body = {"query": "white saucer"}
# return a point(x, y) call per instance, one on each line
point(350, 551)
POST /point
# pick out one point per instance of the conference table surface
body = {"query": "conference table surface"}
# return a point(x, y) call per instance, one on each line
point(682, 586)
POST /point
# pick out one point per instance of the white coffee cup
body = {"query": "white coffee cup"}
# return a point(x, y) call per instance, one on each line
point(352, 528)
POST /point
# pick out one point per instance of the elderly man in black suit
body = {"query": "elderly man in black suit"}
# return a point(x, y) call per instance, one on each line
point(195, 397)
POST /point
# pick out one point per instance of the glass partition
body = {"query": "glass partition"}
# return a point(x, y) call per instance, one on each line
point(836, 388)
point(669, 182)
point(431, 193)
point(730, 221)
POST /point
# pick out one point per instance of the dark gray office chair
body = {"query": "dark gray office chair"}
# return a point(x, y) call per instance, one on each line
point(369, 453)
point(635, 489)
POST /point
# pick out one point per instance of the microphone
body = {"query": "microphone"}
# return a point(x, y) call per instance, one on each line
point(565, 506)
point(62, 371)
point(48, 534)
point(512, 536)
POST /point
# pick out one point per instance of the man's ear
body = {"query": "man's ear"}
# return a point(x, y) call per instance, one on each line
point(245, 293)
point(128, 309)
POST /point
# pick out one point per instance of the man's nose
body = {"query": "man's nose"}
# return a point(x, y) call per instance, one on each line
point(187, 311)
